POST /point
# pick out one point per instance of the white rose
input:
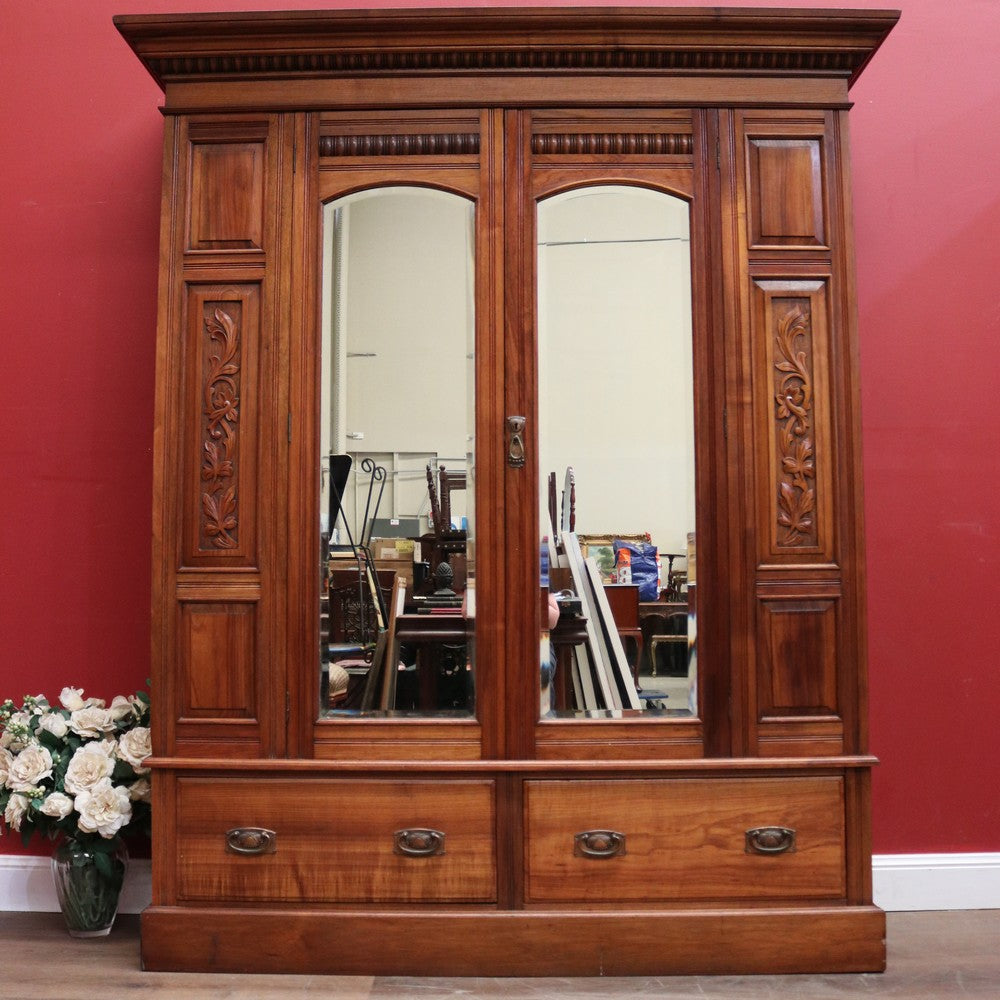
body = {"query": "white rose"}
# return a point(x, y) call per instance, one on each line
point(91, 722)
point(6, 759)
point(105, 809)
point(90, 764)
point(29, 767)
point(94, 703)
point(57, 805)
point(120, 707)
point(17, 806)
point(134, 747)
point(71, 698)
point(140, 791)
point(53, 723)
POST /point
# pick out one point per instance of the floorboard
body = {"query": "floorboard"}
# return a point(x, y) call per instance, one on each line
point(952, 955)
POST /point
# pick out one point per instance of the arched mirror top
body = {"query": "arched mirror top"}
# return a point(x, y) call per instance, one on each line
point(396, 185)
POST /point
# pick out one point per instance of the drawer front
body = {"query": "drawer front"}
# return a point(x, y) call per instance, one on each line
point(336, 840)
point(685, 839)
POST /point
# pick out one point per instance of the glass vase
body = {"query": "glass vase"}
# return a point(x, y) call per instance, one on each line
point(89, 877)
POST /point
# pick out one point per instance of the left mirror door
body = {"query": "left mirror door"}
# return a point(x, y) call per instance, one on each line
point(397, 455)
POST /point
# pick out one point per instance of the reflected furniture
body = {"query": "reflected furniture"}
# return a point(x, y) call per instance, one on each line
point(441, 645)
point(662, 622)
point(624, 601)
point(447, 544)
point(732, 839)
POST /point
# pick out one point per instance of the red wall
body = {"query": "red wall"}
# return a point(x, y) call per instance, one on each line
point(79, 197)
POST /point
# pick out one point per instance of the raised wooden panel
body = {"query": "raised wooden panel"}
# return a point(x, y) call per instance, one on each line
point(785, 193)
point(790, 343)
point(797, 662)
point(218, 652)
point(337, 840)
point(220, 468)
point(226, 178)
point(685, 839)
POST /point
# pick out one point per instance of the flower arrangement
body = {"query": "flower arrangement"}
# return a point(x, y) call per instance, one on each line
point(76, 771)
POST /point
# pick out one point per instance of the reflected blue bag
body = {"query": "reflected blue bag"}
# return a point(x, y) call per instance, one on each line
point(642, 564)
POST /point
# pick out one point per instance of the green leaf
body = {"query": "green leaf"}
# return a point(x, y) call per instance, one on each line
point(49, 741)
point(123, 772)
point(103, 863)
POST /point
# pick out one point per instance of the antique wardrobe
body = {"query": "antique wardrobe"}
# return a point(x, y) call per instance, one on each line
point(504, 244)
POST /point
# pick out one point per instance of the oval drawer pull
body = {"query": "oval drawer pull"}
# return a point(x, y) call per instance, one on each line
point(418, 843)
point(599, 844)
point(770, 840)
point(251, 840)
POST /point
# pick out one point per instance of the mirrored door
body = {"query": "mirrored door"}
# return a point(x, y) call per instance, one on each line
point(616, 453)
point(397, 455)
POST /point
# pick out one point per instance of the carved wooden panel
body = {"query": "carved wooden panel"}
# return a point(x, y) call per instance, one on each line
point(661, 135)
point(222, 354)
point(791, 344)
point(619, 143)
point(226, 196)
point(404, 144)
point(797, 667)
point(218, 650)
point(785, 192)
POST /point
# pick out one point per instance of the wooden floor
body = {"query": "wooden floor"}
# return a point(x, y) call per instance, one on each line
point(937, 956)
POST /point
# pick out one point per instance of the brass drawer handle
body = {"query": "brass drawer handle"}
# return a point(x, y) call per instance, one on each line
point(251, 840)
point(418, 843)
point(599, 845)
point(770, 840)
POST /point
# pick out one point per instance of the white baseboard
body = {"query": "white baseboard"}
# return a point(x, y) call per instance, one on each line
point(936, 881)
point(900, 881)
point(26, 884)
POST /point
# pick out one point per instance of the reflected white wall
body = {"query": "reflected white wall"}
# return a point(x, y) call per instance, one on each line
point(615, 360)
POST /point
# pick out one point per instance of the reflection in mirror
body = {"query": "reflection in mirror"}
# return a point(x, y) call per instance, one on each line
point(397, 470)
point(616, 454)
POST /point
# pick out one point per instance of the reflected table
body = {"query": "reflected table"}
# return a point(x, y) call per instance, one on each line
point(433, 635)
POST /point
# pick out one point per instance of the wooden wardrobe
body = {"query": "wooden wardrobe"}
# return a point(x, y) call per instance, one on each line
point(732, 836)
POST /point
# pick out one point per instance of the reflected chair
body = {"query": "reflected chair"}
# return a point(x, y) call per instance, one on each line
point(671, 639)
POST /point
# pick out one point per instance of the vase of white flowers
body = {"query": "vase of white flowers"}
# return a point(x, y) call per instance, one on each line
point(76, 774)
point(89, 875)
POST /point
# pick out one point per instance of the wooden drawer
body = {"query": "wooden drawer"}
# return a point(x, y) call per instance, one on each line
point(685, 839)
point(336, 840)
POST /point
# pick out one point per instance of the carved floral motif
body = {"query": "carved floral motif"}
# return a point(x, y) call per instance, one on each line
point(794, 415)
point(219, 430)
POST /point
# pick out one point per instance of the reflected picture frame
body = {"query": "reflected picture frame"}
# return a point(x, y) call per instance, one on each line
point(601, 549)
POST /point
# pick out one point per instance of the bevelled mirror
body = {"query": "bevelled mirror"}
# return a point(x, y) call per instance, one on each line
point(616, 453)
point(397, 464)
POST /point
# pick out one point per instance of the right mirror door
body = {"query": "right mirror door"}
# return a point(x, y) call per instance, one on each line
point(616, 453)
